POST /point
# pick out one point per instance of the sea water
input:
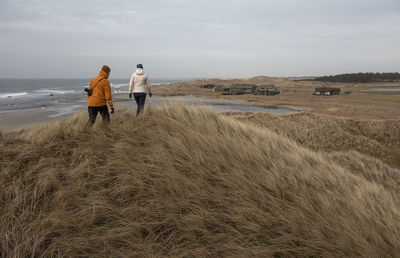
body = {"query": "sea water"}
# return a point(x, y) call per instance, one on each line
point(17, 94)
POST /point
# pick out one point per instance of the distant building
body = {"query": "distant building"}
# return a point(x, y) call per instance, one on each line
point(265, 90)
point(221, 89)
point(326, 91)
point(239, 89)
point(242, 89)
point(208, 86)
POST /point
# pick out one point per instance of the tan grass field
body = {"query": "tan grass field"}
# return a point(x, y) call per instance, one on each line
point(182, 181)
point(357, 105)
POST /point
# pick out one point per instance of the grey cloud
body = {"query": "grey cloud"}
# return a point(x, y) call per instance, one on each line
point(188, 38)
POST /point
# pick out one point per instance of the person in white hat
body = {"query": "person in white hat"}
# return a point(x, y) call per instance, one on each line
point(138, 84)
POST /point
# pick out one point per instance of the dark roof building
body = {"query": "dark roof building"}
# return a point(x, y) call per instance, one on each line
point(265, 90)
point(239, 89)
point(326, 91)
point(207, 86)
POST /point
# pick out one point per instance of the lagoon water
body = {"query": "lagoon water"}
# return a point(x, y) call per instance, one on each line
point(382, 90)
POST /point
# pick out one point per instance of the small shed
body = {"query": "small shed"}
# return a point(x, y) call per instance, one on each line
point(326, 91)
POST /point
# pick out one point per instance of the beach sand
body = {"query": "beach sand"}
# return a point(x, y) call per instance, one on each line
point(24, 118)
point(19, 119)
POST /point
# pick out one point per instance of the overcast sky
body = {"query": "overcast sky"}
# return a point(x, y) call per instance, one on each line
point(198, 38)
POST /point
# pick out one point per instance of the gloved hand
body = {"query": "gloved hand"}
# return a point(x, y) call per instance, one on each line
point(130, 95)
point(112, 110)
point(150, 94)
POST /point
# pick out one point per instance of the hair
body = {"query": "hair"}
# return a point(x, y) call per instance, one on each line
point(139, 66)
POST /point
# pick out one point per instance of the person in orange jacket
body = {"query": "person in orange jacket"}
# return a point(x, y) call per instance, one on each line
point(101, 94)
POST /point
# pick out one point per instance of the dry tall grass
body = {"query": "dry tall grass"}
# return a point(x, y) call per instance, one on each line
point(185, 181)
point(377, 138)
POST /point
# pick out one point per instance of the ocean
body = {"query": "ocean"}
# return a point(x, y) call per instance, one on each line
point(17, 94)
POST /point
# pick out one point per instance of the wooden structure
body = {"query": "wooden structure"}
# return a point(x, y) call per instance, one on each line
point(265, 90)
point(326, 91)
point(221, 89)
point(240, 89)
point(207, 86)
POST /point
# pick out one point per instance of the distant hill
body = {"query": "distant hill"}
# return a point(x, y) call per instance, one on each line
point(360, 77)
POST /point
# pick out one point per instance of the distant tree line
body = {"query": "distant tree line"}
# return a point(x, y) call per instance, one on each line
point(360, 77)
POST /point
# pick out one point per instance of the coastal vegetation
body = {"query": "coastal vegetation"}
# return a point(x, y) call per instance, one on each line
point(360, 77)
point(184, 181)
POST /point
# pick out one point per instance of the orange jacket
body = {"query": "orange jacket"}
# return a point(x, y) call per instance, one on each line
point(101, 91)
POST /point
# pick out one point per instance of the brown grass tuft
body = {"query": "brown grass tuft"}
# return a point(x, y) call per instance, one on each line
point(186, 181)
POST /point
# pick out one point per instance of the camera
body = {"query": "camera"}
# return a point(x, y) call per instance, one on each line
point(89, 91)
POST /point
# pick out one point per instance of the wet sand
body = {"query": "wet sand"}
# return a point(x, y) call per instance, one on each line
point(19, 119)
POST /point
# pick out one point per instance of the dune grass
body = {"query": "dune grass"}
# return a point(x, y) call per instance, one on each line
point(183, 181)
point(376, 138)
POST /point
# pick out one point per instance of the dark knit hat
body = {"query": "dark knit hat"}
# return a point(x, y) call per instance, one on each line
point(139, 66)
point(106, 69)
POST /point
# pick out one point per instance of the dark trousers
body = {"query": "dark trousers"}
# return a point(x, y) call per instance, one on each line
point(103, 110)
point(140, 98)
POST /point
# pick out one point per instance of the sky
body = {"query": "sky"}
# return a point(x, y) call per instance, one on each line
point(198, 38)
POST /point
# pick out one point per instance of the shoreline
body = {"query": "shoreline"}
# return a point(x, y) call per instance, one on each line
point(24, 118)
point(11, 120)
point(361, 104)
